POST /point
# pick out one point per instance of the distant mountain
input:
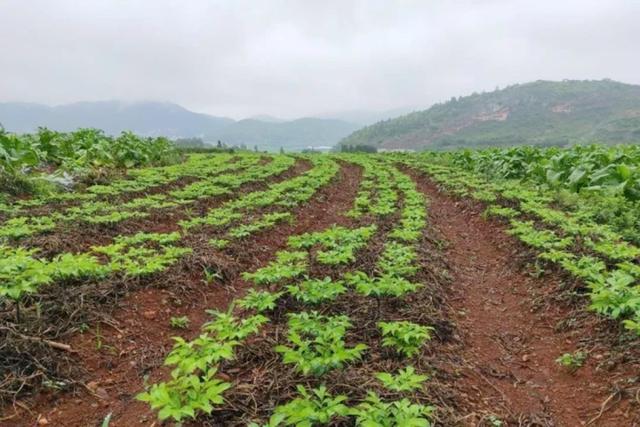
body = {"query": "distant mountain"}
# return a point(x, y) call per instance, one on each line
point(145, 118)
point(171, 120)
point(541, 112)
point(291, 135)
point(267, 118)
point(366, 117)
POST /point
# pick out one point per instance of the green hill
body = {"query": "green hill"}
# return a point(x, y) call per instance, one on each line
point(541, 113)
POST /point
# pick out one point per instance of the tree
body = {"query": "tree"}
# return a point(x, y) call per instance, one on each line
point(358, 148)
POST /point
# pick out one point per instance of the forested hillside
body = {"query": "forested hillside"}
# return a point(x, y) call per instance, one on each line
point(541, 113)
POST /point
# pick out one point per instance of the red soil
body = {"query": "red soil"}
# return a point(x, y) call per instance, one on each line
point(501, 358)
point(74, 237)
point(136, 346)
point(504, 361)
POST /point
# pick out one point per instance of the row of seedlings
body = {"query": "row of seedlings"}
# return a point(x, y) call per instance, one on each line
point(317, 340)
point(135, 181)
point(377, 194)
point(105, 212)
point(260, 210)
point(590, 252)
point(27, 279)
point(22, 272)
point(184, 395)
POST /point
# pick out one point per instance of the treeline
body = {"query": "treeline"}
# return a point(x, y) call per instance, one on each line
point(357, 148)
point(197, 145)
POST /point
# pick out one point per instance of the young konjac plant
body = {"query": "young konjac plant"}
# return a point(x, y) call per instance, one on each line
point(288, 265)
point(317, 343)
point(259, 300)
point(406, 337)
point(383, 286)
point(227, 327)
point(314, 291)
point(405, 380)
point(314, 408)
point(373, 411)
point(184, 396)
point(199, 354)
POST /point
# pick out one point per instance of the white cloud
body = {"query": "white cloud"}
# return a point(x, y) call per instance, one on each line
point(295, 58)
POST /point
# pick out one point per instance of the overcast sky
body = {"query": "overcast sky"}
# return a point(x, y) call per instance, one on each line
point(296, 58)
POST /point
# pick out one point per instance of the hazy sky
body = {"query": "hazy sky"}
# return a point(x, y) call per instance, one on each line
point(296, 58)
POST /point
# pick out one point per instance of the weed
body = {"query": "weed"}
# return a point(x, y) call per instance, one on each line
point(572, 361)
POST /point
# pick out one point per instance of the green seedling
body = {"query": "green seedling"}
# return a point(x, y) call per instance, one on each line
point(179, 322)
point(210, 276)
point(405, 337)
point(405, 380)
point(572, 361)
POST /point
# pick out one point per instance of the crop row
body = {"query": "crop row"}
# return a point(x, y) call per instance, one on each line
point(377, 194)
point(135, 180)
point(315, 344)
point(598, 182)
point(592, 252)
point(101, 212)
point(23, 272)
point(266, 207)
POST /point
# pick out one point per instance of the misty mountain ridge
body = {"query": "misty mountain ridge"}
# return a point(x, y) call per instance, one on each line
point(144, 118)
point(167, 119)
point(266, 118)
point(538, 113)
point(367, 117)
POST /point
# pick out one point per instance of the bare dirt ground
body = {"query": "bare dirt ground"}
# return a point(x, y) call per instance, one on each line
point(504, 361)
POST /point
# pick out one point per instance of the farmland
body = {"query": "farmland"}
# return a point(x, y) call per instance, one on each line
point(223, 288)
